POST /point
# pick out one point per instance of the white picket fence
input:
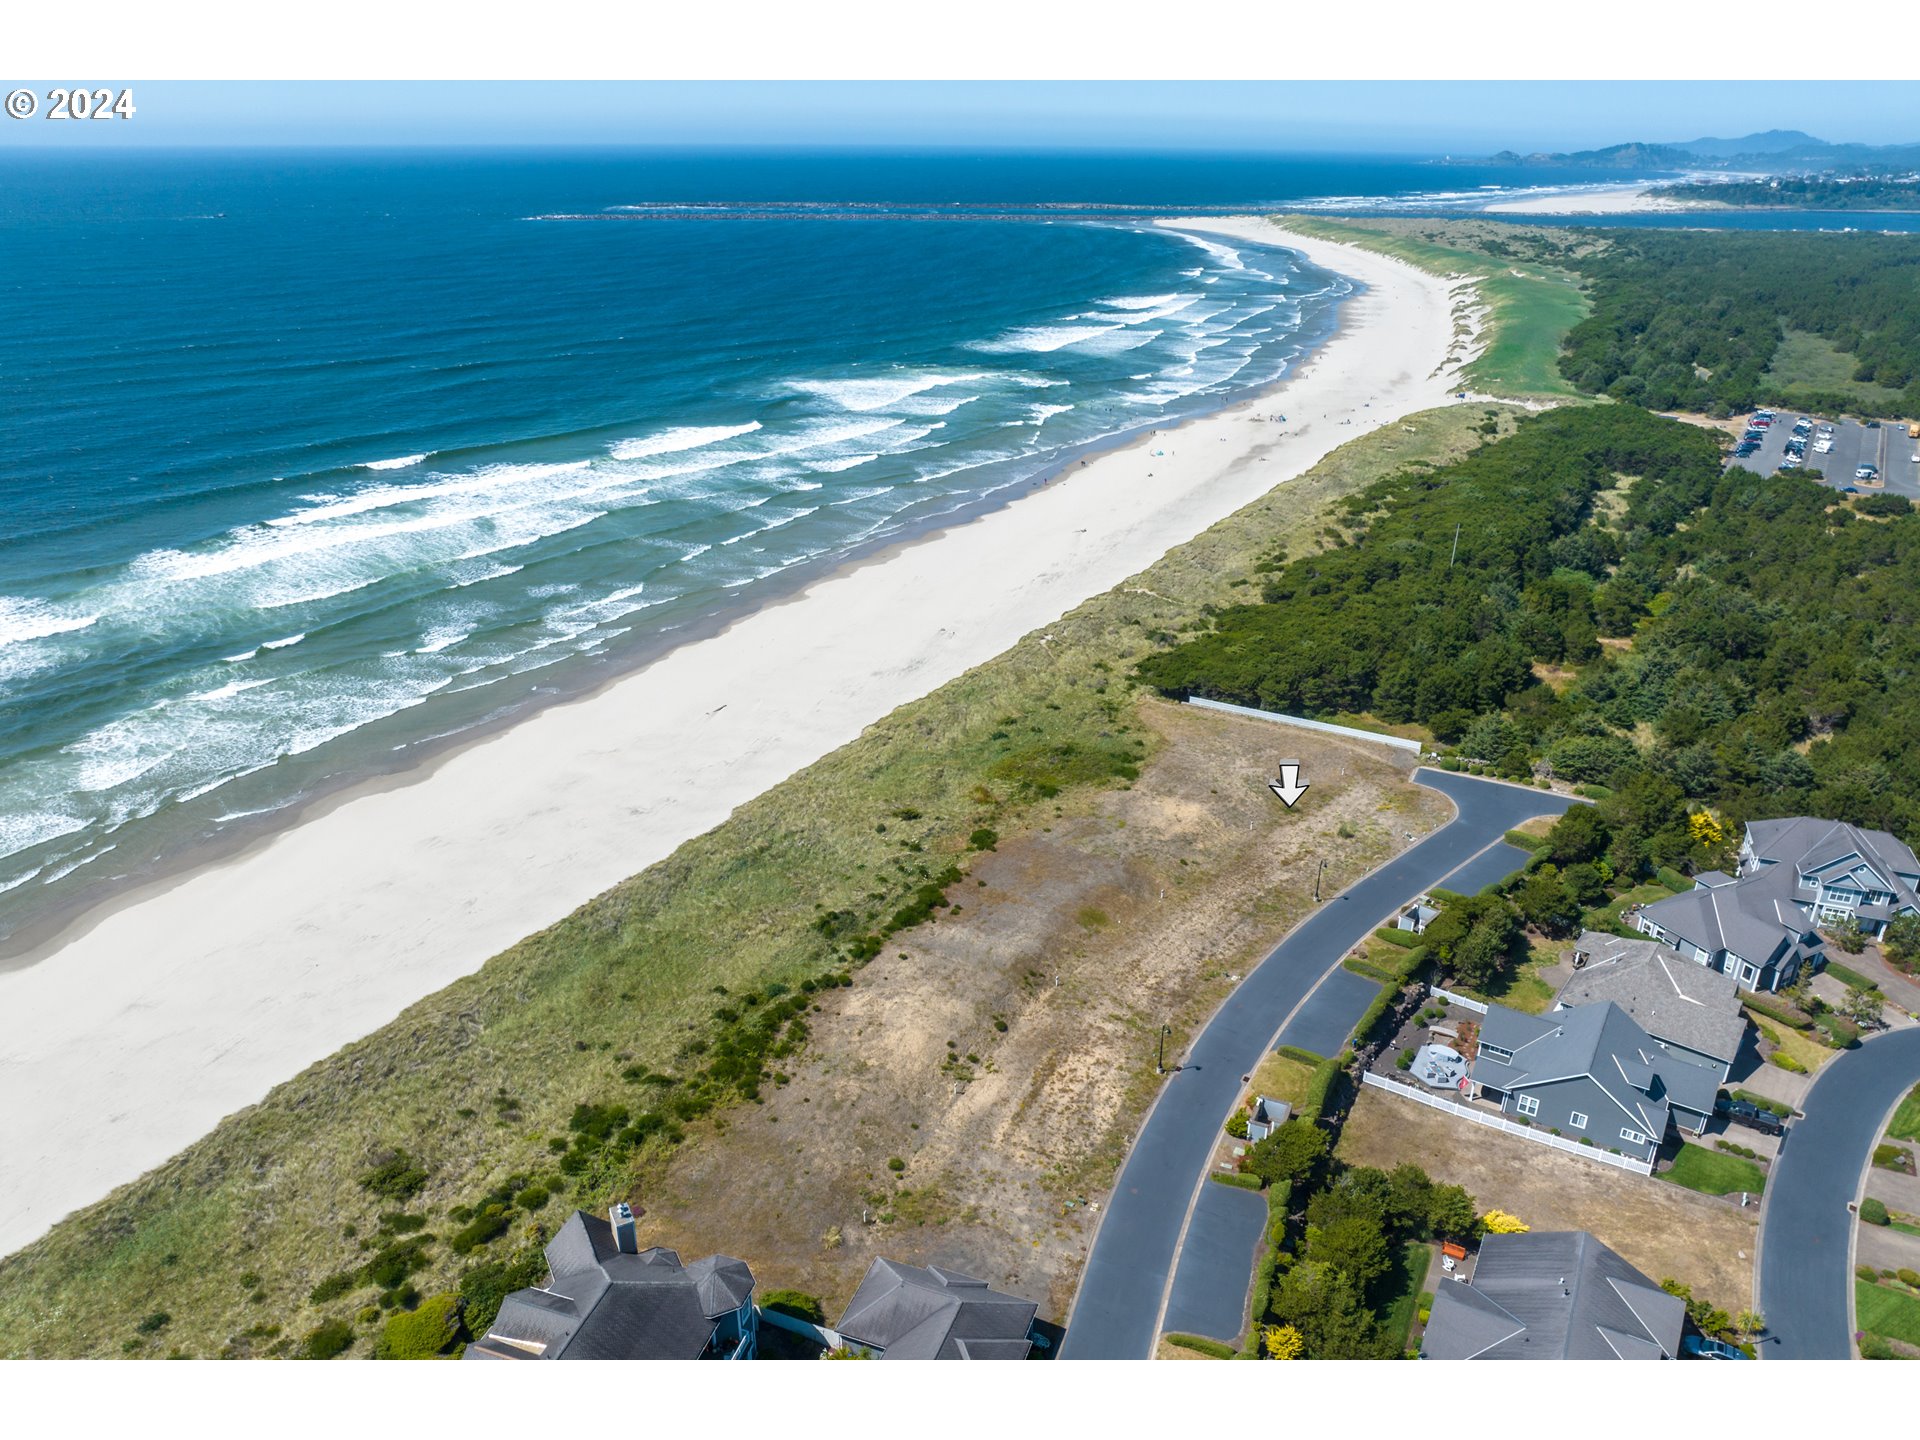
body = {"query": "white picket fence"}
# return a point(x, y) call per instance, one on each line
point(1495, 1122)
point(1465, 1002)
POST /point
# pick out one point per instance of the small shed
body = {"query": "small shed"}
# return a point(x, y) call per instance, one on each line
point(1267, 1117)
point(1417, 917)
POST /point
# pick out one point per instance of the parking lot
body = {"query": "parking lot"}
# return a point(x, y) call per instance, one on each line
point(1885, 446)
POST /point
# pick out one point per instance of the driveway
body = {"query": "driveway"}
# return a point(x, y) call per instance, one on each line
point(1806, 1283)
point(1116, 1314)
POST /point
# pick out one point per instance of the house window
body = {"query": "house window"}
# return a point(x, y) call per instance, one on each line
point(1750, 974)
point(1494, 1052)
point(1528, 1104)
point(1633, 1137)
point(1577, 1120)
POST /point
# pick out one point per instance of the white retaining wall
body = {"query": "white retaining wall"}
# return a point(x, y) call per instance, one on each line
point(1495, 1122)
point(1301, 722)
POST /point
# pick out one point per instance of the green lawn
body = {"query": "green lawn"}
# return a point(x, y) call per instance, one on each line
point(1530, 307)
point(1806, 361)
point(1885, 1311)
point(1905, 1124)
point(1713, 1172)
point(1401, 1288)
point(1521, 988)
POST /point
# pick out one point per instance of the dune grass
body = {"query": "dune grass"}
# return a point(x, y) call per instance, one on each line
point(1531, 303)
point(478, 1082)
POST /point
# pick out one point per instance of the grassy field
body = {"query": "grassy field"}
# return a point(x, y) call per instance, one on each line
point(1882, 1310)
point(1713, 1173)
point(255, 1235)
point(1905, 1124)
point(1530, 304)
point(1809, 362)
point(1403, 1285)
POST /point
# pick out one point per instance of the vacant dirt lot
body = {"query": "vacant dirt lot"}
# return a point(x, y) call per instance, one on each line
point(1005, 1053)
point(1664, 1230)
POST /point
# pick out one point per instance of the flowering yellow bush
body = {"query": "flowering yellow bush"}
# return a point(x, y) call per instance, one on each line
point(1281, 1342)
point(1705, 830)
point(1498, 1222)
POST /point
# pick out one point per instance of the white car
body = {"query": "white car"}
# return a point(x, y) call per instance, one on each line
point(1821, 447)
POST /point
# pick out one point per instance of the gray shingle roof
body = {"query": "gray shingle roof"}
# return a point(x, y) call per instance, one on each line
point(1805, 842)
point(909, 1313)
point(1554, 1295)
point(602, 1304)
point(1601, 1041)
point(1672, 999)
point(1757, 917)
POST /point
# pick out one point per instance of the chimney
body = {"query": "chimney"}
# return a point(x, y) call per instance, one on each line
point(623, 1236)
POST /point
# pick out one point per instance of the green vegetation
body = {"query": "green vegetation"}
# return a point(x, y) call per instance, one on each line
point(1852, 979)
point(1714, 1174)
point(1882, 1310)
point(1201, 1345)
point(1531, 299)
point(1401, 1292)
point(1905, 1124)
point(1237, 1180)
point(1874, 1212)
point(796, 1303)
point(1860, 192)
point(327, 1341)
point(1808, 364)
point(616, 1006)
point(1696, 321)
point(421, 1334)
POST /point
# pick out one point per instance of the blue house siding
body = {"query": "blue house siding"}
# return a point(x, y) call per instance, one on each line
point(1581, 1097)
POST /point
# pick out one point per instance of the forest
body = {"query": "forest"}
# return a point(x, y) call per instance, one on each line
point(1865, 192)
point(1692, 320)
point(1618, 612)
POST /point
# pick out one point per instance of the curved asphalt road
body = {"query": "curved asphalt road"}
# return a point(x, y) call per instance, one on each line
point(1116, 1313)
point(1806, 1233)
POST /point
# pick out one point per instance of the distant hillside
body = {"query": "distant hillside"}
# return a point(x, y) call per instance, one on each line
point(1771, 152)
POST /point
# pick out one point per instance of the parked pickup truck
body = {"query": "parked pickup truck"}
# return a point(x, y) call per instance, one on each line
point(1745, 1112)
point(1699, 1347)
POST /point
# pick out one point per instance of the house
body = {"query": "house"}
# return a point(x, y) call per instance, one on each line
point(1760, 925)
point(1591, 1073)
point(607, 1299)
point(1689, 1009)
point(1840, 871)
point(1554, 1295)
point(1267, 1117)
point(902, 1312)
point(1417, 917)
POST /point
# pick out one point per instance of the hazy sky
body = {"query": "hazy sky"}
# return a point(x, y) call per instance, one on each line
point(1409, 117)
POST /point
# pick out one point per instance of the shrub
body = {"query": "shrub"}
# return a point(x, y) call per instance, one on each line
point(1499, 1222)
point(896, 1164)
point(983, 839)
point(797, 1303)
point(1201, 1345)
point(154, 1323)
point(533, 1197)
point(484, 1286)
point(1673, 880)
point(399, 1177)
point(1872, 1347)
point(1874, 1212)
point(327, 1341)
point(1288, 1154)
point(1866, 1273)
point(422, 1334)
point(1775, 1010)
point(1238, 1181)
point(1786, 1062)
point(1909, 1278)
point(1523, 841)
point(489, 1225)
point(334, 1286)
point(1405, 1062)
point(1237, 1125)
point(1394, 935)
point(1776, 1107)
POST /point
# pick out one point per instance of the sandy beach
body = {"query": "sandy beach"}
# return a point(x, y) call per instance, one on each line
point(1619, 200)
point(135, 1032)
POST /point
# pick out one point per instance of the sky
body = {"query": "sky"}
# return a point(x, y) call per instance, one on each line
point(1406, 117)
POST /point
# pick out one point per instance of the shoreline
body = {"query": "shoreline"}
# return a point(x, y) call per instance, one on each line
point(141, 1025)
point(1637, 199)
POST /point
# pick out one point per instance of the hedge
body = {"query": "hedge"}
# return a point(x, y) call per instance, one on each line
point(1786, 1062)
point(1305, 1057)
point(1406, 939)
point(1385, 1000)
point(1262, 1297)
point(1593, 792)
point(1525, 841)
point(1785, 1014)
point(1202, 1345)
point(1314, 1101)
point(797, 1303)
point(1852, 979)
point(1673, 880)
point(1367, 970)
point(1237, 1180)
point(1874, 1212)
point(1776, 1107)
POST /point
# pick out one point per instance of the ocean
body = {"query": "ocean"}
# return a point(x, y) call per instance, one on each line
point(314, 460)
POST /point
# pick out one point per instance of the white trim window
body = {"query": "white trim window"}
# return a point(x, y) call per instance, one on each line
point(1750, 974)
point(1527, 1104)
point(1632, 1137)
point(1577, 1120)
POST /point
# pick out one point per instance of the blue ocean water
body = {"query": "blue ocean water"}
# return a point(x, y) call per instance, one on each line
point(311, 457)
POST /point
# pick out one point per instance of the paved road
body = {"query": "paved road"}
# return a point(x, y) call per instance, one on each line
point(1209, 1295)
point(1115, 1313)
point(1806, 1283)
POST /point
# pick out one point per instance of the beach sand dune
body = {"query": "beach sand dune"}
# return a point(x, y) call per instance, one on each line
point(138, 1030)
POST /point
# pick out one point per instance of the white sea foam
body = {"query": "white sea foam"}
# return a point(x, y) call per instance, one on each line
point(882, 391)
point(23, 831)
point(399, 462)
point(23, 619)
point(670, 442)
point(834, 467)
point(282, 644)
point(1044, 339)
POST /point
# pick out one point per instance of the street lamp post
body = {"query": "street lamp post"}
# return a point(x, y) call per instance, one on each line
point(1316, 881)
point(1160, 1060)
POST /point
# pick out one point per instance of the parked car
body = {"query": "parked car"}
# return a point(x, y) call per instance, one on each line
point(1865, 472)
point(1745, 1112)
point(1699, 1347)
